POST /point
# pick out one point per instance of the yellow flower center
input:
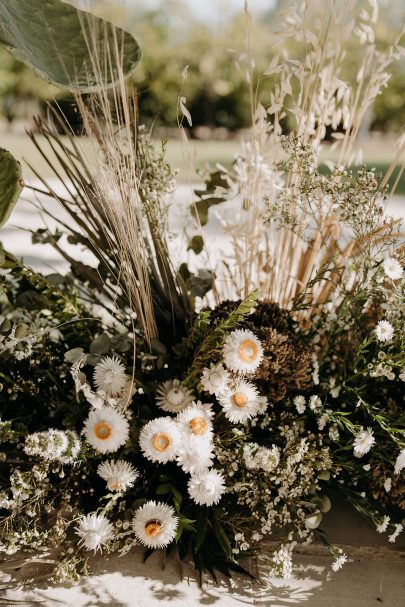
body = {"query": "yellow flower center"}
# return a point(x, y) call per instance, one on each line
point(115, 486)
point(153, 528)
point(161, 441)
point(103, 430)
point(248, 351)
point(240, 399)
point(198, 425)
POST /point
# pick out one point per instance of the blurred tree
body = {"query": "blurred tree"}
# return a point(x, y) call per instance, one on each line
point(215, 88)
point(21, 91)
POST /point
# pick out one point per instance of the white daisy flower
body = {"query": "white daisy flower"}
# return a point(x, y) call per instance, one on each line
point(119, 475)
point(95, 530)
point(242, 351)
point(383, 526)
point(160, 439)
point(196, 420)
point(195, 455)
point(363, 442)
point(398, 529)
point(206, 488)
point(173, 397)
point(384, 330)
point(215, 379)
point(109, 375)
point(241, 402)
point(106, 429)
point(339, 562)
point(392, 268)
point(155, 524)
point(299, 402)
point(263, 402)
point(400, 462)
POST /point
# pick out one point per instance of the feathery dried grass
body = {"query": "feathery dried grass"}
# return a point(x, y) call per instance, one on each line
point(303, 258)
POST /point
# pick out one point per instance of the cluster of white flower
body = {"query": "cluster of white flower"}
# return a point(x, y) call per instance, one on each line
point(107, 427)
point(266, 480)
point(154, 525)
point(240, 400)
point(261, 458)
point(188, 440)
point(54, 445)
point(16, 339)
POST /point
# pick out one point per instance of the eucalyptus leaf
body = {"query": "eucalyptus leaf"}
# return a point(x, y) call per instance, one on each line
point(93, 359)
point(101, 345)
point(11, 184)
point(49, 35)
point(74, 355)
point(21, 330)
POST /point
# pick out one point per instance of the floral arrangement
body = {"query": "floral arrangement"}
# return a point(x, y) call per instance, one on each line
point(209, 406)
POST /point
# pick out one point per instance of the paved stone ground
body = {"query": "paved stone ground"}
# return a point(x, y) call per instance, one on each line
point(374, 575)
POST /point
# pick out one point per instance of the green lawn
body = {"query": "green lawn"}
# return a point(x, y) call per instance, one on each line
point(194, 156)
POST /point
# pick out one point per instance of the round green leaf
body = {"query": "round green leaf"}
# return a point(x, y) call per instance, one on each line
point(49, 35)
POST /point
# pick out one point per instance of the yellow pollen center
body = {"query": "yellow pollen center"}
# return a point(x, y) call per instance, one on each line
point(198, 425)
point(103, 430)
point(161, 441)
point(115, 486)
point(248, 351)
point(240, 399)
point(153, 528)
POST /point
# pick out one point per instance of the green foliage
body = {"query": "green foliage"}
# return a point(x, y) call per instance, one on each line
point(214, 339)
point(11, 184)
point(48, 36)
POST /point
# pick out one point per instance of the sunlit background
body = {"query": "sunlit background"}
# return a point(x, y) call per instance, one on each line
point(208, 36)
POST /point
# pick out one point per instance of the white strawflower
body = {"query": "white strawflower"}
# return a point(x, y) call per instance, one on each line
point(383, 526)
point(263, 404)
point(315, 403)
point(384, 330)
point(240, 402)
point(207, 487)
point(388, 484)
point(160, 439)
point(155, 524)
point(215, 379)
point(109, 375)
point(119, 475)
point(299, 402)
point(95, 530)
point(106, 429)
point(339, 562)
point(363, 442)
point(392, 268)
point(398, 529)
point(196, 420)
point(173, 397)
point(400, 462)
point(195, 456)
point(242, 351)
